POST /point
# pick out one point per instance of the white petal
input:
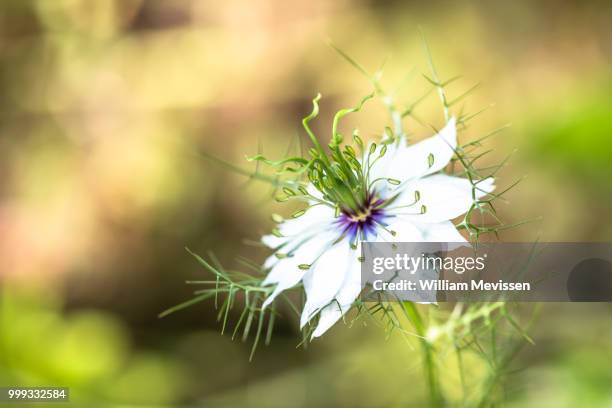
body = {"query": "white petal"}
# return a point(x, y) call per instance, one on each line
point(272, 241)
point(331, 313)
point(317, 220)
point(316, 216)
point(286, 272)
point(405, 231)
point(425, 296)
point(270, 261)
point(328, 316)
point(440, 232)
point(352, 286)
point(343, 302)
point(444, 198)
point(423, 158)
point(380, 169)
point(325, 278)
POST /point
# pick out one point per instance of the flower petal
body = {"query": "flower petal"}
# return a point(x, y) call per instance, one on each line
point(405, 231)
point(441, 197)
point(328, 316)
point(286, 271)
point(325, 278)
point(272, 241)
point(344, 299)
point(423, 158)
point(317, 218)
point(380, 169)
point(351, 287)
point(440, 232)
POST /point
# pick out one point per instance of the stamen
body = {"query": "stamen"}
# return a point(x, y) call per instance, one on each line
point(362, 223)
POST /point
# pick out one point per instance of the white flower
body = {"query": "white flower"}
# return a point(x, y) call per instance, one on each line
point(321, 249)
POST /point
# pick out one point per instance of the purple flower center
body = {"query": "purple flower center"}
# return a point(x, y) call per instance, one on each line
point(363, 222)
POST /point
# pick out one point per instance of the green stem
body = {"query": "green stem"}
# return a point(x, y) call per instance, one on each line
point(435, 395)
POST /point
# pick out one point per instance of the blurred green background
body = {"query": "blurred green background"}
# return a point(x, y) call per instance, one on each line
point(105, 104)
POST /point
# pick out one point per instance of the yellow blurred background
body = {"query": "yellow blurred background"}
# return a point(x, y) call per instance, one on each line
point(106, 104)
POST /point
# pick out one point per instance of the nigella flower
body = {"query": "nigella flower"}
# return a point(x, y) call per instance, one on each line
point(394, 192)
